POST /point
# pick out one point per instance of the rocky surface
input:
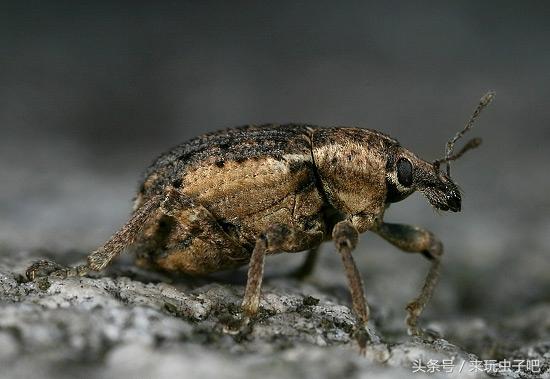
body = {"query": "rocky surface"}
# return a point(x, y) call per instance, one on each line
point(128, 323)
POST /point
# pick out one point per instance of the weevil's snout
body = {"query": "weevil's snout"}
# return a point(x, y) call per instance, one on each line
point(454, 200)
point(408, 173)
point(442, 192)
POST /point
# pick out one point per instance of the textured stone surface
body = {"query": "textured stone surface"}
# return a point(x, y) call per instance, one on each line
point(128, 323)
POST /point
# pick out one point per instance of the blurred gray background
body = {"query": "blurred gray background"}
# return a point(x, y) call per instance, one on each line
point(91, 94)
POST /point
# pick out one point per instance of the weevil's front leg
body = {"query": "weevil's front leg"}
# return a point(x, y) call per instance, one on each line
point(416, 240)
point(345, 237)
point(100, 258)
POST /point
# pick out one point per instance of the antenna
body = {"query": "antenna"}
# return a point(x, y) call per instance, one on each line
point(471, 144)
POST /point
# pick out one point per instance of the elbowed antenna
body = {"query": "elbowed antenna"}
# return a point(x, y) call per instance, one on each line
point(473, 143)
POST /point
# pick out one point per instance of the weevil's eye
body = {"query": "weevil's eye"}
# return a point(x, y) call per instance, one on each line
point(404, 172)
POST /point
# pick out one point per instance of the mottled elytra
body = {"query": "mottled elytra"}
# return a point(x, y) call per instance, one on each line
point(227, 199)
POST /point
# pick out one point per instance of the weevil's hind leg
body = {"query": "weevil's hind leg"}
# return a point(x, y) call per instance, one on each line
point(307, 266)
point(100, 258)
point(416, 240)
point(345, 237)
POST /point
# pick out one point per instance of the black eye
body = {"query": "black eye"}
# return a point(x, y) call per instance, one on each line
point(404, 172)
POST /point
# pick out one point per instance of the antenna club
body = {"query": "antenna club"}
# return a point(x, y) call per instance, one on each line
point(487, 98)
point(474, 142)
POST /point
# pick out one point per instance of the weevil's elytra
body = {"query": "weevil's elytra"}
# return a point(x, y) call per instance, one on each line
point(230, 198)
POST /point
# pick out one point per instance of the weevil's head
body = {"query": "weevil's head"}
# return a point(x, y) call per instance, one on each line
point(406, 173)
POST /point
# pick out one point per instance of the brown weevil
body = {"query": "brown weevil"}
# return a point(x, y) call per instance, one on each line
point(230, 198)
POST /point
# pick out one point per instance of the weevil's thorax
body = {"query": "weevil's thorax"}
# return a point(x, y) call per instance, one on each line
point(351, 164)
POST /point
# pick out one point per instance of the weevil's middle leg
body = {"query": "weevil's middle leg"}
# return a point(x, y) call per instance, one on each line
point(416, 240)
point(345, 237)
point(275, 239)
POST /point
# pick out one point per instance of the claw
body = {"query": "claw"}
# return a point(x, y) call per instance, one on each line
point(363, 335)
point(234, 326)
point(414, 330)
point(424, 334)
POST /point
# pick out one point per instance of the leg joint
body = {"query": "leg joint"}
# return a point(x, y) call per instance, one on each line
point(344, 234)
point(275, 236)
point(434, 249)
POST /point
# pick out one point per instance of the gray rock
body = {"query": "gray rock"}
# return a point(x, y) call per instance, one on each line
point(127, 323)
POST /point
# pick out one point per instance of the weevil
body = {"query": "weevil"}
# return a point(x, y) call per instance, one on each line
point(229, 198)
